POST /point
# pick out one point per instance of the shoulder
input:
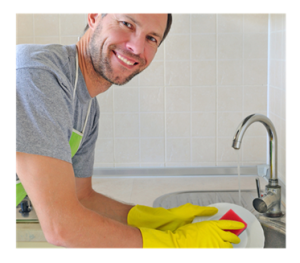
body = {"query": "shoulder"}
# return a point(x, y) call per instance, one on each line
point(39, 54)
point(44, 56)
point(57, 59)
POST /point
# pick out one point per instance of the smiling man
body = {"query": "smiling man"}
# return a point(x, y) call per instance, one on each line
point(57, 128)
point(116, 47)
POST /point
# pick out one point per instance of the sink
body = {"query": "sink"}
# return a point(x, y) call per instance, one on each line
point(273, 238)
point(274, 228)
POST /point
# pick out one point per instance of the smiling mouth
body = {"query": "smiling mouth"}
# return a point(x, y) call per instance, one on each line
point(125, 60)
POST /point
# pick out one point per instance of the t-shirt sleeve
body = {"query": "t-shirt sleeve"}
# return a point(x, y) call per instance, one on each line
point(83, 160)
point(44, 106)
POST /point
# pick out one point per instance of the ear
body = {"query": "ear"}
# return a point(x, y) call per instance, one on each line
point(92, 19)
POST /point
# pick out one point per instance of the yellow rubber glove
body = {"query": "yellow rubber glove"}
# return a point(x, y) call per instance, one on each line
point(205, 234)
point(167, 219)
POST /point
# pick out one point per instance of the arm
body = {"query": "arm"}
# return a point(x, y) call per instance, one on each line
point(50, 185)
point(99, 203)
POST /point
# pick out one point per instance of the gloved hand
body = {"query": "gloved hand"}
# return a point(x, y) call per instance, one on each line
point(205, 234)
point(167, 219)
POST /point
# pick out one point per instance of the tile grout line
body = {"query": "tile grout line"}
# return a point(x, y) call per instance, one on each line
point(216, 96)
point(59, 28)
point(165, 104)
point(268, 79)
point(140, 140)
point(33, 27)
point(185, 137)
point(240, 154)
point(114, 127)
point(191, 90)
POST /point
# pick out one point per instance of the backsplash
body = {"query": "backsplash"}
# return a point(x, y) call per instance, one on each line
point(212, 71)
point(277, 87)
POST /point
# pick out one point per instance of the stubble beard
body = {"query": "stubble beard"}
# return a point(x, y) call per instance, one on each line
point(101, 61)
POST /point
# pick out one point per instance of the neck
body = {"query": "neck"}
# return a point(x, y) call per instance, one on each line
point(95, 84)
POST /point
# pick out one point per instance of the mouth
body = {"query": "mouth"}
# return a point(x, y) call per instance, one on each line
point(128, 62)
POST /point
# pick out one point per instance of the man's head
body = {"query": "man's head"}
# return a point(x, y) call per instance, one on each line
point(168, 26)
point(123, 45)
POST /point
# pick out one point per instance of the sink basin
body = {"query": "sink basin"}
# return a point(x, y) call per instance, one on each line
point(274, 228)
point(273, 238)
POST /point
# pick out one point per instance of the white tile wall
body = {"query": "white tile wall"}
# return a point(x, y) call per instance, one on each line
point(277, 87)
point(49, 28)
point(210, 73)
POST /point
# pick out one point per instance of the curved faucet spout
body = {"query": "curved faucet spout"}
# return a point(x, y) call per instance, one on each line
point(270, 203)
point(237, 139)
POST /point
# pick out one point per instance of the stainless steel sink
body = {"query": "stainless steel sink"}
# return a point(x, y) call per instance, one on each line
point(274, 228)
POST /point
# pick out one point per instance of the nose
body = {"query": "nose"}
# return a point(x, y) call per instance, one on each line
point(136, 44)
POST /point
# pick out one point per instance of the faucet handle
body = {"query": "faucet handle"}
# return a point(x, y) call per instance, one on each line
point(258, 187)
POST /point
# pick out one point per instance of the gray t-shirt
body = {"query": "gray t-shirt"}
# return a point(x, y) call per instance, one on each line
point(46, 111)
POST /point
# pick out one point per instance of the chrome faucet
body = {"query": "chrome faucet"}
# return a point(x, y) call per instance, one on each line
point(270, 202)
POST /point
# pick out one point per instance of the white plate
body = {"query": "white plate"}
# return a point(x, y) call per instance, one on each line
point(252, 237)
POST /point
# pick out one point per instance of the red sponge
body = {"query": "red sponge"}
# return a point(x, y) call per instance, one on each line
point(231, 215)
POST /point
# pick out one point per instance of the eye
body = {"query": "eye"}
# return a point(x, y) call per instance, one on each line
point(126, 24)
point(152, 39)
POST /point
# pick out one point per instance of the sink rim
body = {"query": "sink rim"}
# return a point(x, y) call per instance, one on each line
point(276, 224)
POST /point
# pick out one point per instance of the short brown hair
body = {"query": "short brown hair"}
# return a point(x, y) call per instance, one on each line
point(168, 27)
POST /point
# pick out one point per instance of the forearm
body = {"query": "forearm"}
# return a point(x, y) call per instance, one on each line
point(87, 229)
point(64, 220)
point(106, 206)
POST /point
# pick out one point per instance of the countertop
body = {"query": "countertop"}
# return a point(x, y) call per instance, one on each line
point(142, 190)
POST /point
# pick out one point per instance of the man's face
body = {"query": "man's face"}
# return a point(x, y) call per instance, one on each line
point(123, 45)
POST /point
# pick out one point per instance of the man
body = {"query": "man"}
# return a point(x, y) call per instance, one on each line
point(57, 126)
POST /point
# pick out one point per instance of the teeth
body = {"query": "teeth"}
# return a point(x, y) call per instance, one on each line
point(125, 60)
